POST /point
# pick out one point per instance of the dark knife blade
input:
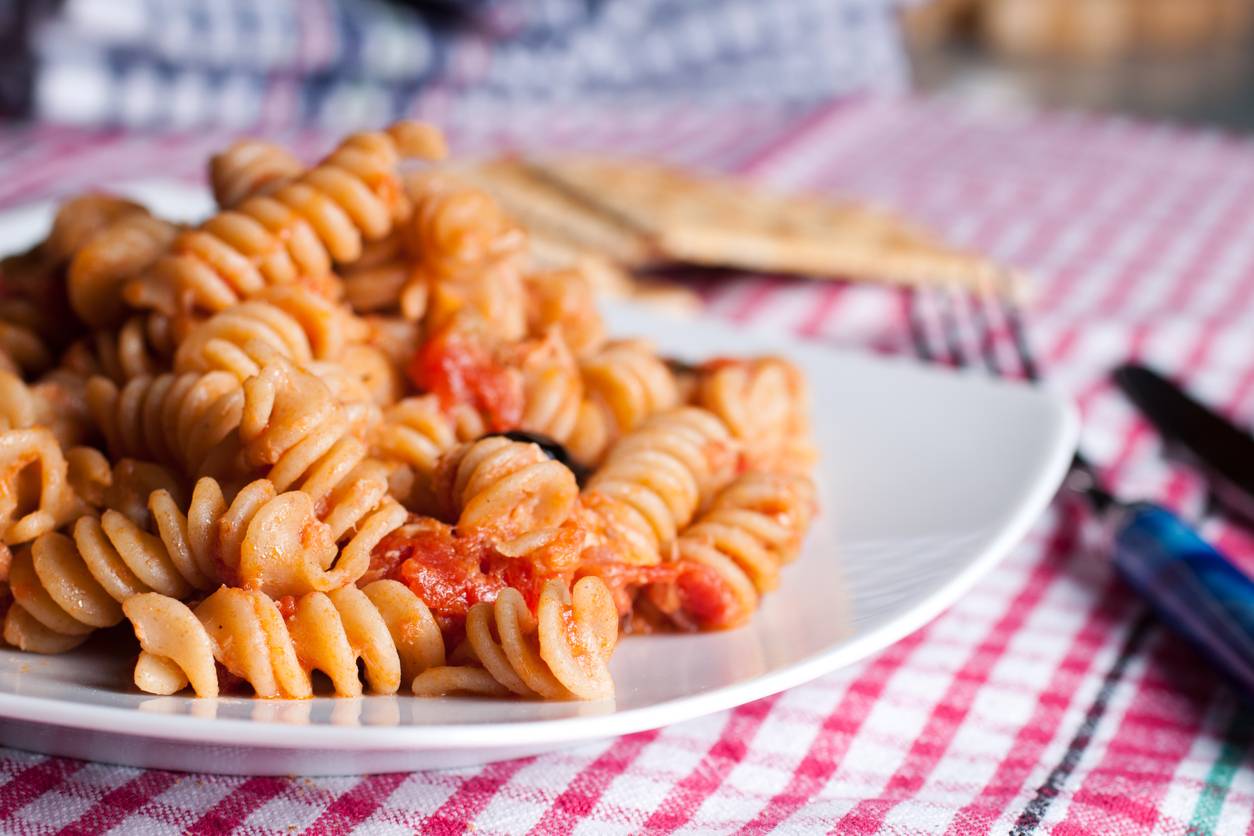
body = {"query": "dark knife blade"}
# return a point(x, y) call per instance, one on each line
point(1225, 451)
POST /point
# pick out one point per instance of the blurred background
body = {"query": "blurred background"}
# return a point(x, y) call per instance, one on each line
point(1188, 60)
point(343, 63)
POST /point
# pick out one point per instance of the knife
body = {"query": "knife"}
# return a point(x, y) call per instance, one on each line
point(1224, 451)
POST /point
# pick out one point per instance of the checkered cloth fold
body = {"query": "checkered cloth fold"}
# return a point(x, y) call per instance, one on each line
point(343, 63)
point(1045, 701)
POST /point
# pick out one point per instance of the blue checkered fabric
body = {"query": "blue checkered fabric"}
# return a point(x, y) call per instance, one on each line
point(340, 63)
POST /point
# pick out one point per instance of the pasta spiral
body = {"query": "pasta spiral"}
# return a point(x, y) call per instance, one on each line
point(370, 364)
point(65, 587)
point(275, 542)
point(93, 237)
point(495, 298)
point(248, 168)
point(457, 231)
point(80, 219)
point(19, 407)
point(655, 478)
point(57, 401)
point(553, 392)
point(384, 625)
point(140, 346)
point(292, 235)
point(188, 421)
point(766, 404)
point(412, 437)
point(21, 349)
point(382, 279)
point(25, 344)
point(89, 475)
point(263, 540)
point(565, 301)
point(561, 652)
point(462, 254)
point(625, 383)
point(293, 428)
point(99, 269)
point(32, 501)
point(41, 471)
point(36, 316)
point(125, 487)
point(588, 405)
point(289, 320)
point(751, 529)
point(508, 488)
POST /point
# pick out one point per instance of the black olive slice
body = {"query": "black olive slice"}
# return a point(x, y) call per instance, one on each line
point(551, 447)
point(680, 367)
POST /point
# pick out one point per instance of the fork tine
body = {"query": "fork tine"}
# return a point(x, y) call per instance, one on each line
point(983, 306)
point(1090, 480)
point(936, 326)
point(1019, 336)
point(951, 327)
point(918, 328)
point(984, 312)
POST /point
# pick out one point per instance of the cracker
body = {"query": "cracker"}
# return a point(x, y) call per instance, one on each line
point(563, 232)
point(557, 220)
point(727, 223)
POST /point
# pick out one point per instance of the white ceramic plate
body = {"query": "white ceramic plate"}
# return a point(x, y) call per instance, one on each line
point(927, 478)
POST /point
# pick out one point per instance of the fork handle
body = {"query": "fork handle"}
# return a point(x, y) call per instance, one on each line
point(1191, 585)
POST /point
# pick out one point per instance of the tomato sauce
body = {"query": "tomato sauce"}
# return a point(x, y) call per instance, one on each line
point(705, 599)
point(458, 368)
point(623, 579)
point(452, 571)
point(287, 606)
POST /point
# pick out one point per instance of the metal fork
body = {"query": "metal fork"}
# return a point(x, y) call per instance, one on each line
point(1191, 586)
point(995, 322)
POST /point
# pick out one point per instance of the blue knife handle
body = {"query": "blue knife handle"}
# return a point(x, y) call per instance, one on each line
point(1192, 586)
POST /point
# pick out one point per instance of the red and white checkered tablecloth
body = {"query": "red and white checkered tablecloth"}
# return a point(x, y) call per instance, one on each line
point(1045, 701)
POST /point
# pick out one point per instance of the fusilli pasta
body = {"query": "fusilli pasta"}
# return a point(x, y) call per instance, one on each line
point(384, 625)
point(100, 268)
point(457, 231)
point(302, 437)
point(66, 586)
point(249, 168)
point(380, 280)
point(752, 528)
point(292, 235)
point(140, 346)
point(565, 301)
point(504, 487)
point(189, 421)
point(561, 652)
point(24, 331)
point(654, 479)
point(270, 470)
point(763, 400)
point(35, 493)
point(275, 542)
point(413, 435)
point(288, 320)
point(553, 391)
point(57, 401)
point(625, 382)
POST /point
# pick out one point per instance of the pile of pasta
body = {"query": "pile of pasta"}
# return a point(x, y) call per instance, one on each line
point(342, 431)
